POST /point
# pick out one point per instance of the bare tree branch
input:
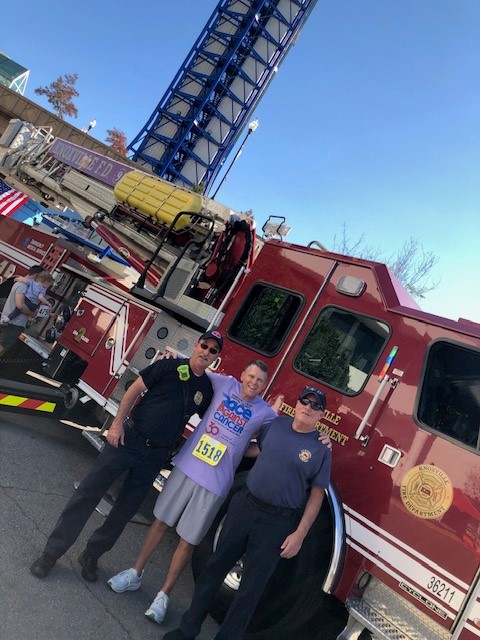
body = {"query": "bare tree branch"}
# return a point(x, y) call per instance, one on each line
point(411, 264)
point(343, 244)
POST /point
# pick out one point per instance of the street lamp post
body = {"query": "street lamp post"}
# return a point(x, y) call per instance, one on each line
point(91, 124)
point(251, 128)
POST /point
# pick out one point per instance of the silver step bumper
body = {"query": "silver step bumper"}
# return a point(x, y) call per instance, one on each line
point(389, 617)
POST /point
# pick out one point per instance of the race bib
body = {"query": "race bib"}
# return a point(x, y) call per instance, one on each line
point(43, 311)
point(209, 450)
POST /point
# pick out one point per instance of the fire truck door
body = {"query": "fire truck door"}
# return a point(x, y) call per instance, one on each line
point(342, 350)
point(436, 499)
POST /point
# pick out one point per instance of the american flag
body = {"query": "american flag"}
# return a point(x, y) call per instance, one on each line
point(10, 199)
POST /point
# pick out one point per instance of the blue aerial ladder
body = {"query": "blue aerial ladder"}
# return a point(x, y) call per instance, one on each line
point(204, 110)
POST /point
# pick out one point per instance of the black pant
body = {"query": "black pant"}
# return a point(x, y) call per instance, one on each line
point(143, 464)
point(257, 534)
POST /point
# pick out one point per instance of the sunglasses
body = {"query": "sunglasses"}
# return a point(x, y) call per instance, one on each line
point(204, 346)
point(315, 405)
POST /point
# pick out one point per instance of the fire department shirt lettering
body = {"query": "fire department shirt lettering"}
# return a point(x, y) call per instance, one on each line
point(290, 463)
point(229, 425)
point(170, 401)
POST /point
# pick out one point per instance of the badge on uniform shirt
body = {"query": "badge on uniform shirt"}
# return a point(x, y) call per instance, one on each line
point(305, 455)
point(184, 373)
point(197, 398)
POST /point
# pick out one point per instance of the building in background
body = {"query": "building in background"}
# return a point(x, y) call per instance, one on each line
point(12, 74)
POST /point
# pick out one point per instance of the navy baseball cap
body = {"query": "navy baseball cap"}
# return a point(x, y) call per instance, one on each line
point(214, 335)
point(320, 397)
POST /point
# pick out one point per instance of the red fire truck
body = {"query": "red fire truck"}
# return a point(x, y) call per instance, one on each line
point(399, 538)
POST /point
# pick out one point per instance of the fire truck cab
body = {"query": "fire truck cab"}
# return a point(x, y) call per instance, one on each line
point(399, 538)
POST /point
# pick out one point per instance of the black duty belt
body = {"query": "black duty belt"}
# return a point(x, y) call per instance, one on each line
point(130, 424)
point(270, 508)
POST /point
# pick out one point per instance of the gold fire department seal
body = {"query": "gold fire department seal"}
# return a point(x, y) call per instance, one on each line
point(305, 455)
point(426, 491)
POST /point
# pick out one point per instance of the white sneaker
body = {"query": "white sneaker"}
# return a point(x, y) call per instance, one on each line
point(158, 609)
point(127, 580)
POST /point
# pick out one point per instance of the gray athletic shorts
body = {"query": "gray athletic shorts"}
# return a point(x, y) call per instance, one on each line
point(187, 504)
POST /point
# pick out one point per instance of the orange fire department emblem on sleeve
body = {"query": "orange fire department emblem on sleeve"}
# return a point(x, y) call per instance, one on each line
point(426, 491)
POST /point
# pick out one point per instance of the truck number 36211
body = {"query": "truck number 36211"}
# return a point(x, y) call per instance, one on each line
point(440, 589)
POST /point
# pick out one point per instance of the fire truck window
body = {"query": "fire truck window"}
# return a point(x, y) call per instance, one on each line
point(450, 395)
point(342, 349)
point(265, 318)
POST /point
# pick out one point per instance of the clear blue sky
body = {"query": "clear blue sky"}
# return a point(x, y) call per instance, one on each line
point(373, 118)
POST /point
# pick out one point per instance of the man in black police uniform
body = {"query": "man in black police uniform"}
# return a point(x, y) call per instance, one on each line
point(139, 440)
point(261, 521)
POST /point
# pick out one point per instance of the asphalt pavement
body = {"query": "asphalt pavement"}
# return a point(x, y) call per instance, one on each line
point(40, 459)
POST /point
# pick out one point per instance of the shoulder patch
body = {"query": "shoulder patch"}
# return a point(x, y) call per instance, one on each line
point(183, 372)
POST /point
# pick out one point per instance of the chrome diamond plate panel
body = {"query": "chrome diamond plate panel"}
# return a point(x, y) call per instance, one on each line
point(390, 617)
point(166, 332)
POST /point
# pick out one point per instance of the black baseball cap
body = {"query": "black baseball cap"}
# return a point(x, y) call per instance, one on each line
point(320, 397)
point(214, 335)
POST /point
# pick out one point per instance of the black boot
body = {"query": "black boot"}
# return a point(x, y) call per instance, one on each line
point(176, 634)
point(43, 565)
point(89, 567)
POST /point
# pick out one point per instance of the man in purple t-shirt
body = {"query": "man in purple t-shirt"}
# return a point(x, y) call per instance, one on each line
point(202, 476)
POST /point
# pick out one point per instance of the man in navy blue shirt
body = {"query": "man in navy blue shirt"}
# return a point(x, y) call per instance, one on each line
point(261, 522)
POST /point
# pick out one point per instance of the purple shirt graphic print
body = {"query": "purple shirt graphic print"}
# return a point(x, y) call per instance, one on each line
point(214, 450)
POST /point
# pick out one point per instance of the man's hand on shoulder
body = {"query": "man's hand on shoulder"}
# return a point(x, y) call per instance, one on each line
point(169, 355)
point(116, 434)
point(276, 403)
point(325, 439)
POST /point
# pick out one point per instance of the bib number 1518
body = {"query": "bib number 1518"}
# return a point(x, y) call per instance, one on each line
point(209, 450)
